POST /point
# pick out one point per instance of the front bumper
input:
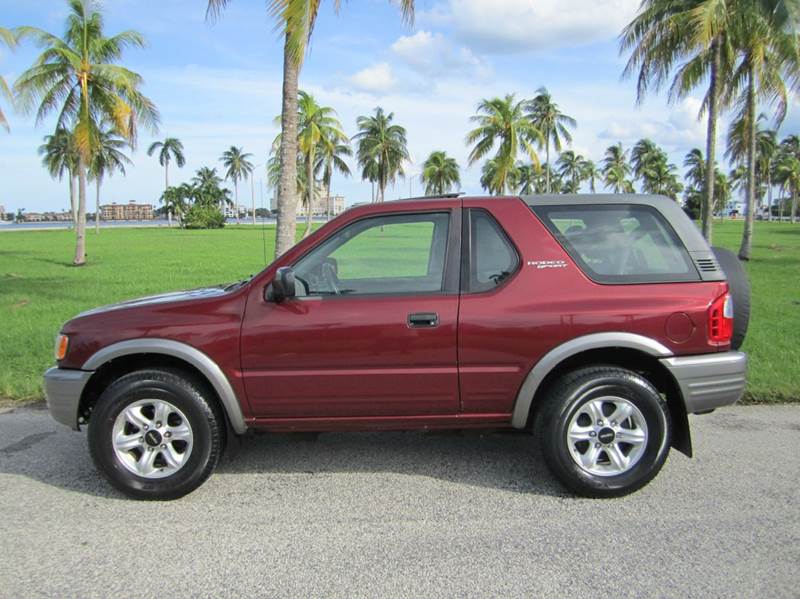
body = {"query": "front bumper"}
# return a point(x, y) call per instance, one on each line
point(709, 381)
point(63, 389)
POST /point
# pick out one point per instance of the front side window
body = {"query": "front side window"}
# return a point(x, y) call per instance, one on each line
point(391, 254)
point(620, 243)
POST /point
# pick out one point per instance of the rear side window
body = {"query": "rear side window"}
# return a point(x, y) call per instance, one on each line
point(492, 258)
point(618, 243)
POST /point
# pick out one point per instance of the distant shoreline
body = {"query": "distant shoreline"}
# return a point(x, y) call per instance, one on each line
point(64, 226)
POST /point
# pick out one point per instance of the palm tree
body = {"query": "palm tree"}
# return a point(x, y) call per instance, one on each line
point(206, 176)
point(690, 39)
point(440, 173)
point(551, 122)
point(108, 158)
point(78, 77)
point(571, 169)
point(737, 152)
point(616, 169)
point(330, 158)
point(238, 167)
point(615, 178)
point(644, 151)
point(296, 21)
point(502, 122)
point(382, 148)
point(494, 182)
point(169, 149)
point(787, 170)
point(59, 156)
point(590, 173)
point(175, 199)
point(527, 177)
point(315, 125)
point(10, 40)
point(765, 55)
point(696, 175)
point(661, 178)
point(766, 150)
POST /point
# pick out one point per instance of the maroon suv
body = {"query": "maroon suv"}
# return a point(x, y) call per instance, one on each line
point(598, 322)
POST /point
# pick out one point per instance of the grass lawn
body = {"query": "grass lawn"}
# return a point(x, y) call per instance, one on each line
point(39, 290)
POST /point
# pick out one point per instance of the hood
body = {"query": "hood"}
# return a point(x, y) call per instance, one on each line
point(174, 296)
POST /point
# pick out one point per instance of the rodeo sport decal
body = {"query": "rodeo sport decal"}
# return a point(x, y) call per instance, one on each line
point(540, 264)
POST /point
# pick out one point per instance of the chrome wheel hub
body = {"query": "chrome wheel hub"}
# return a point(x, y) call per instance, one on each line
point(607, 436)
point(152, 438)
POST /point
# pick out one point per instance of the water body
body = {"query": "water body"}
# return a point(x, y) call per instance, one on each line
point(104, 224)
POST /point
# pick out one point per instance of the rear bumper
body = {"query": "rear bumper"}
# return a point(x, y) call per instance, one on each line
point(63, 389)
point(709, 381)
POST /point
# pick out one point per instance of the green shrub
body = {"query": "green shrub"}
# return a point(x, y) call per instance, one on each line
point(203, 217)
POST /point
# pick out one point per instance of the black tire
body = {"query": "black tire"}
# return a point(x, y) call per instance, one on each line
point(564, 399)
point(739, 286)
point(184, 393)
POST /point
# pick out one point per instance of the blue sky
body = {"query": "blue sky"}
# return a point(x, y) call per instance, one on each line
point(218, 85)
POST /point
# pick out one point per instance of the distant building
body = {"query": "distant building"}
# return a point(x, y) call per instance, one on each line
point(230, 211)
point(130, 211)
point(2, 212)
point(40, 217)
point(320, 205)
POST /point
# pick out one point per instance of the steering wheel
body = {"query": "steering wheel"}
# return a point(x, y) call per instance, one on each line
point(330, 277)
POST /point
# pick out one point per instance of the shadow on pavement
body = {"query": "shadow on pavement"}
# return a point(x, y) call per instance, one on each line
point(45, 452)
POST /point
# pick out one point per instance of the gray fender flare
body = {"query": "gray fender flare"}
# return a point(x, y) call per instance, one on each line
point(182, 351)
point(558, 354)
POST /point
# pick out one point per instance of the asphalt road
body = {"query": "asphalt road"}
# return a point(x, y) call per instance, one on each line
point(406, 514)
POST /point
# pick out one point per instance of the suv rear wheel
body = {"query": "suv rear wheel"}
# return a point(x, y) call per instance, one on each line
point(604, 431)
point(155, 435)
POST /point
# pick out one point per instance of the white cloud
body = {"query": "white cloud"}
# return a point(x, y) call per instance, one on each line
point(522, 25)
point(681, 129)
point(377, 78)
point(433, 54)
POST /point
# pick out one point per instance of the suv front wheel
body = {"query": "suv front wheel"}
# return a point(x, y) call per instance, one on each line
point(604, 431)
point(154, 434)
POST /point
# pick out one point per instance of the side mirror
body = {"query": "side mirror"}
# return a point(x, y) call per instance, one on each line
point(283, 285)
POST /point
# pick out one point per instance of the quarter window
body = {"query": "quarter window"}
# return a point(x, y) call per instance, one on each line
point(620, 243)
point(492, 257)
point(380, 255)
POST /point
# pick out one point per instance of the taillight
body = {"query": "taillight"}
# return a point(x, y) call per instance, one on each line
point(720, 319)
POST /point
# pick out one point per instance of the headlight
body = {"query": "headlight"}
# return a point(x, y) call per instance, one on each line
point(62, 344)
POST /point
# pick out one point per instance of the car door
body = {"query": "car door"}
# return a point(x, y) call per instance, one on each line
point(372, 331)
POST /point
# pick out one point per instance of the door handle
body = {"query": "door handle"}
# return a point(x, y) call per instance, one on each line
point(423, 319)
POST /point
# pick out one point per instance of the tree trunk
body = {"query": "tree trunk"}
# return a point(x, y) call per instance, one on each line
point(750, 196)
point(80, 224)
point(328, 192)
point(73, 206)
point(769, 194)
point(97, 207)
point(707, 206)
point(236, 200)
point(782, 202)
point(253, 193)
point(287, 187)
point(166, 187)
point(794, 205)
point(309, 192)
point(547, 163)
